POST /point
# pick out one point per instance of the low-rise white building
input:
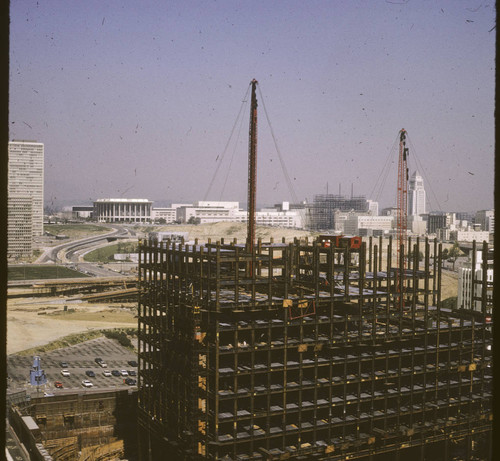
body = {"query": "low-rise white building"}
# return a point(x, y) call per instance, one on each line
point(122, 210)
point(354, 222)
point(416, 225)
point(469, 236)
point(169, 215)
point(82, 212)
point(278, 218)
point(469, 288)
point(203, 212)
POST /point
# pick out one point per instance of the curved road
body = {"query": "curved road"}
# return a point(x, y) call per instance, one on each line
point(69, 249)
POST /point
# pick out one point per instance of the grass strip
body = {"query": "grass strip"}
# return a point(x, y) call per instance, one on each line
point(122, 335)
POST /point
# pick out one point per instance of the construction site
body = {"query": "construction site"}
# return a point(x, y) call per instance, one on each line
point(308, 354)
point(90, 426)
point(332, 349)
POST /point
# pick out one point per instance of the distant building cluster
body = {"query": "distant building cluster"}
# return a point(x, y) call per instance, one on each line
point(332, 213)
point(360, 216)
point(201, 212)
point(25, 197)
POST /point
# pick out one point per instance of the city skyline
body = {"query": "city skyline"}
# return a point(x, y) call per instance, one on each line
point(141, 102)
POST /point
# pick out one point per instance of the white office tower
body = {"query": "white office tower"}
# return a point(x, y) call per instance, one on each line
point(25, 180)
point(416, 195)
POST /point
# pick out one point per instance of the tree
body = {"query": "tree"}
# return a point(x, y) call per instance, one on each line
point(454, 253)
point(194, 220)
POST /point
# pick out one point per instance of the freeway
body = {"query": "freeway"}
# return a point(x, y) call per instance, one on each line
point(69, 252)
point(69, 249)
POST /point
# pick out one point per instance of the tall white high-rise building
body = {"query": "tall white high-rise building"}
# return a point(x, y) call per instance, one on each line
point(416, 195)
point(25, 179)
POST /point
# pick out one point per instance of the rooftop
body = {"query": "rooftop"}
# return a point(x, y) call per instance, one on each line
point(123, 200)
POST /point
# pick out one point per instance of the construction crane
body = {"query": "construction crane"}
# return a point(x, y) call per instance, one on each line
point(252, 170)
point(402, 215)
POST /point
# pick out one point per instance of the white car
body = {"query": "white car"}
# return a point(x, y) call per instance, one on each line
point(124, 372)
point(106, 373)
point(103, 364)
point(65, 372)
point(86, 383)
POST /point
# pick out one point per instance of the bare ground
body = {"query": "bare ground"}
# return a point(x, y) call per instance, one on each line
point(33, 323)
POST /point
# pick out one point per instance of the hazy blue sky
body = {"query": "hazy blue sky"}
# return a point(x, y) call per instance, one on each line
point(137, 99)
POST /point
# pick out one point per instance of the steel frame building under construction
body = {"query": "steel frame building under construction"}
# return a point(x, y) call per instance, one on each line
point(322, 211)
point(303, 351)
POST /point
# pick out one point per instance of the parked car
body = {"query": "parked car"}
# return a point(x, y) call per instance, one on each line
point(86, 383)
point(58, 384)
point(115, 373)
point(106, 373)
point(130, 381)
point(63, 364)
point(90, 374)
point(132, 363)
point(65, 373)
point(103, 364)
point(132, 373)
point(124, 372)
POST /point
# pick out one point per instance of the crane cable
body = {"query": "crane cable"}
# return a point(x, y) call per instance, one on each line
point(282, 163)
point(232, 158)
point(384, 174)
point(419, 165)
point(227, 144)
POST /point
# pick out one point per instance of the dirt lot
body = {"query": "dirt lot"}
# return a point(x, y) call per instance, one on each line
point(34, 322)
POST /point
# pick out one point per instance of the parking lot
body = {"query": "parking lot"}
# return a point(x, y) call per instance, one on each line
point(79, 358)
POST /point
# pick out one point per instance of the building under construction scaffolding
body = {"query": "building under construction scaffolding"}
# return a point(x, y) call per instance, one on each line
point(322, 211)
point(303, 351)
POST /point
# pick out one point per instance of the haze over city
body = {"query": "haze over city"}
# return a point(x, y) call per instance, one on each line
point(139, 100)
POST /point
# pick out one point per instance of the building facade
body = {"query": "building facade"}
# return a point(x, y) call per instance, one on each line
point(204, 212)
point(486, 219)
point(471, 279)
point(416, 195)
point(356, 222)
point(25, 177)
point(82, 212)
point(19, 227)
point(169, 215)
point(469, 236)
point(122, 210)
point(437, 220)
